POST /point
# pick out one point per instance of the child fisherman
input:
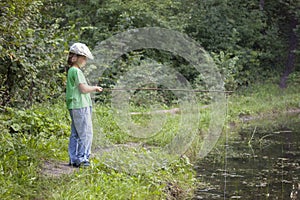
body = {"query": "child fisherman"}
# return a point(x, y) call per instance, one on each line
point(79, 105)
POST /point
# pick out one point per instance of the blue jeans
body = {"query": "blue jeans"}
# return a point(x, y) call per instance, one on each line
point(81, 138)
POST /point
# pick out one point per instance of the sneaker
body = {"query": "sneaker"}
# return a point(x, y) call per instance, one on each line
point(86, 163)
point(76, 164)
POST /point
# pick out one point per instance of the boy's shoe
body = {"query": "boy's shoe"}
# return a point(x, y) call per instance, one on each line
point(79, 164)
point(86, 163)
point(75, 164)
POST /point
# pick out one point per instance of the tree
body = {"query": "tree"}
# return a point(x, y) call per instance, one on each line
point(263, 35)
point(290, 21)
point(32, 46)
point(231, 30)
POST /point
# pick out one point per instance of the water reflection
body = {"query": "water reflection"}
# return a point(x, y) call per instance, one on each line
point(260, 161)
point(295, 192)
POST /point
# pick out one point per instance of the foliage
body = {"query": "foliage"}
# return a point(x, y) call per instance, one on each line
point(98, 20)
point(34, 122)
point(28, 137)
point(294, 79)
point(248, 40)
point(32, 46)
point(237, 30)
point(25, 150)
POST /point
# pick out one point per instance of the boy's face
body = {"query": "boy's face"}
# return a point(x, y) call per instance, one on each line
point(81, 61)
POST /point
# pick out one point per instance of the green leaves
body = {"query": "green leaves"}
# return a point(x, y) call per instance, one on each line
point(35, 122)
point(31, 52)
point(35, 34)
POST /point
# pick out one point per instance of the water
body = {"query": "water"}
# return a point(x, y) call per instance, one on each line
point(260, 161)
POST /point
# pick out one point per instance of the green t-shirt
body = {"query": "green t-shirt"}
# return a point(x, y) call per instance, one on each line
point(74, 98)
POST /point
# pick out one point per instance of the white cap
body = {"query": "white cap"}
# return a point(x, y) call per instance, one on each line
point(81, 49)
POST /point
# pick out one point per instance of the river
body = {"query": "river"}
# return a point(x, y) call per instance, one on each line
point(260, 159)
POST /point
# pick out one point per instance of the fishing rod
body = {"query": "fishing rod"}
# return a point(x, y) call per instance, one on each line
point(167, 89)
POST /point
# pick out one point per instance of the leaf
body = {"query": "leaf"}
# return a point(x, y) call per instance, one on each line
point(15, 127)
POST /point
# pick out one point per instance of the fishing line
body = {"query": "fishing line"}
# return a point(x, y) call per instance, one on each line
point(162, 89)
point(226, 145)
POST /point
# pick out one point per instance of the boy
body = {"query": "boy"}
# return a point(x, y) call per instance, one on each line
point(79, 103)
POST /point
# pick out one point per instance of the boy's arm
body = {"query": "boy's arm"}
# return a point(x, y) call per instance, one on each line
point(84, 88)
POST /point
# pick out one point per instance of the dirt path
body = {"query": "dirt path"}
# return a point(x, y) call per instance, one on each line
point(53, 168)
point(56, 168)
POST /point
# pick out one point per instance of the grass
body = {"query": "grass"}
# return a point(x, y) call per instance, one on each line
point(263, 99)
point(26, 148)
point(31, 137)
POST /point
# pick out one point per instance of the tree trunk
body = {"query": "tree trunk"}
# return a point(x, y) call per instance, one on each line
point(261, 4)
point(291, 58)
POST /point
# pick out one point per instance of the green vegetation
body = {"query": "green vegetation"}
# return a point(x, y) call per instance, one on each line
point(250, 41)
point(264, 100)
point(253, 43)
point(39, 135)
point(30, 138)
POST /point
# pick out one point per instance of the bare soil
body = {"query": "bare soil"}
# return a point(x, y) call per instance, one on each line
point(54, 168)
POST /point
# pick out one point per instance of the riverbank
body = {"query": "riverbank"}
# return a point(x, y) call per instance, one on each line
point(257, 156)
point(263, 100)
point(34, 151)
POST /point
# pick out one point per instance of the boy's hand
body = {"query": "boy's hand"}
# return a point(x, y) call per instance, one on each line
point(98, 89)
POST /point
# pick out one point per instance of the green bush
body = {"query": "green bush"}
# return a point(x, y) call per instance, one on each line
point(44, 121)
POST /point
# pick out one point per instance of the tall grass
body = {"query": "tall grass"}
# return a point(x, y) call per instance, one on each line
point(31, 137)
point(263, 99)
